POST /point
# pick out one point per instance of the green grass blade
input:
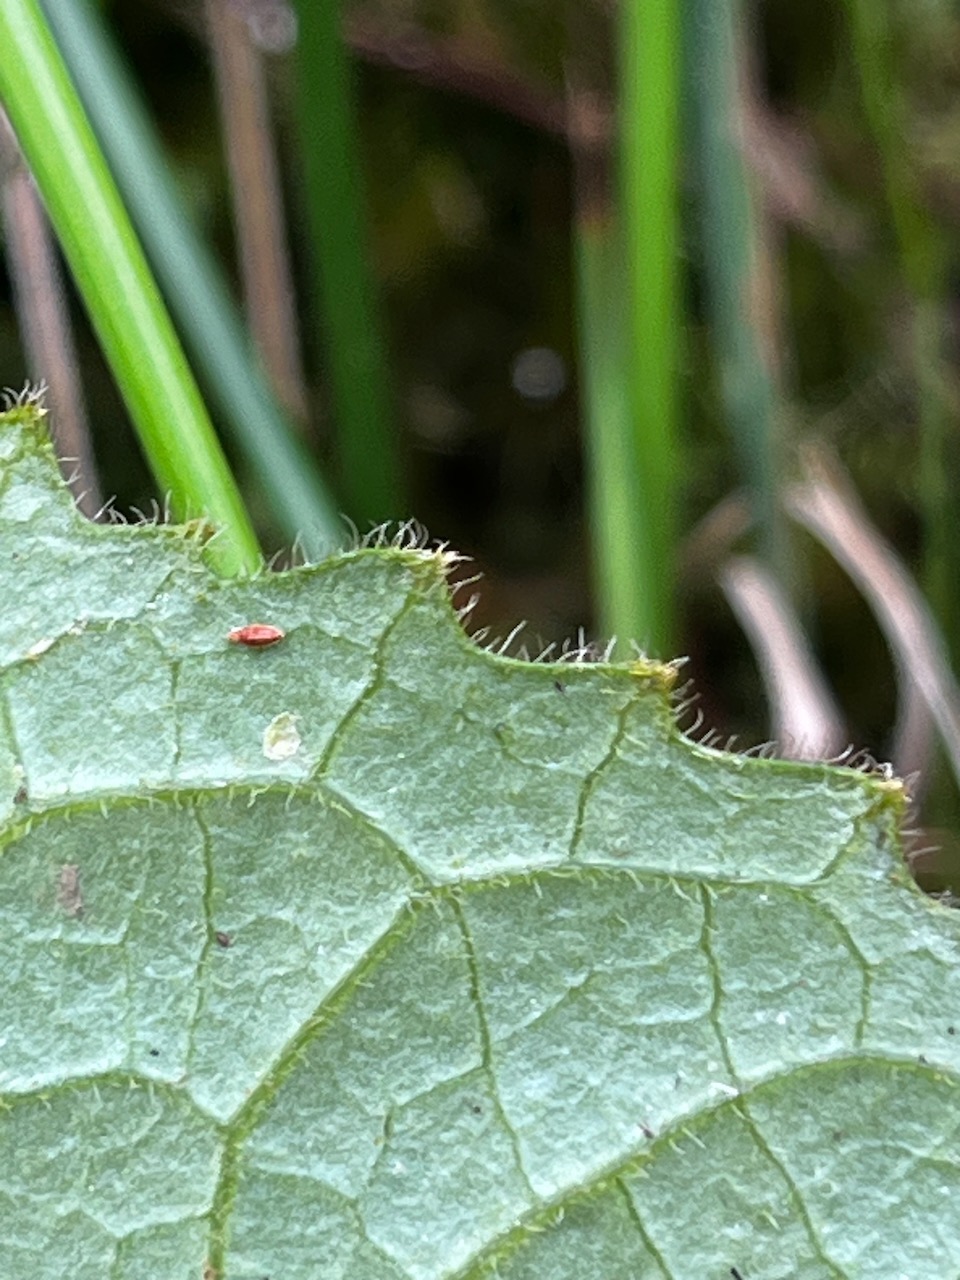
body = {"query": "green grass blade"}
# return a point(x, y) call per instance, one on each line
point(731, 265)
point(112, 274)
point(345, 290)
point(620, 538)
point(207, 316)
point(649, 110)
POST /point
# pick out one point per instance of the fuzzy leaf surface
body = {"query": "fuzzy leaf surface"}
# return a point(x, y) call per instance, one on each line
point(370, 956)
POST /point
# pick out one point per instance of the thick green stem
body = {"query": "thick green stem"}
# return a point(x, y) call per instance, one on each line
point(119, 292)
point(649, 101)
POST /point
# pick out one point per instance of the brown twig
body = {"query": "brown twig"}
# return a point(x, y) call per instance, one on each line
point(44, 320)
point(783, 159)
point(257, 203)
point(446, 62)
point(827, 506)
point(806, 722)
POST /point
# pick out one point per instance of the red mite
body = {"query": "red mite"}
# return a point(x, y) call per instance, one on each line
point(255, 635)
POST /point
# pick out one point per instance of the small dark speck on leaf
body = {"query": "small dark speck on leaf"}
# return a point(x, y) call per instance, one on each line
point(69, 894)
point(154, 1053)
point(20, 795)
point(921, 1060)
point(951, 1031)
point(476, 1108)
point(647, 1132)
point(560, 686)
point(223, 939)
point(735, 1274)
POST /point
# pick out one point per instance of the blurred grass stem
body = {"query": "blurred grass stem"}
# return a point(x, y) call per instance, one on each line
point(649, 43)
point(739, 298)
point(257, 202)
point(618, 530)
point(345, 288)
point(613, 498)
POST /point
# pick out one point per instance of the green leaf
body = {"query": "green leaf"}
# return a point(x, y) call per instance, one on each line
point(371, 956)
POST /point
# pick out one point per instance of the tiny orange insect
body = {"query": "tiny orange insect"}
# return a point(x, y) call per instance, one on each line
point(256, 635)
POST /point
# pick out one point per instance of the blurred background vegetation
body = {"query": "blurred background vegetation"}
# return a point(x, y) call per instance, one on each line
point(651, 310)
